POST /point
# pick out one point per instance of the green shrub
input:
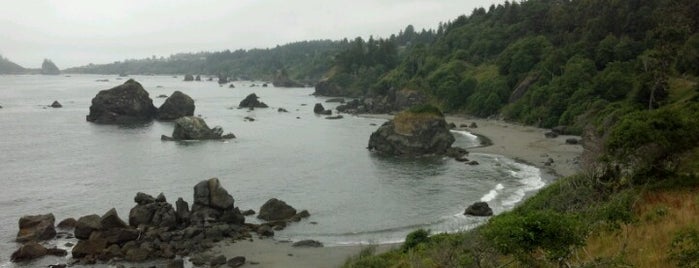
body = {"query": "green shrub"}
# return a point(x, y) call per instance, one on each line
point(684, 251)
point(416, 238)
point(521, 234)
point(425, 109)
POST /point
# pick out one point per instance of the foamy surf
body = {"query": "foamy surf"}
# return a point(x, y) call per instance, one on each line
point(493, 193)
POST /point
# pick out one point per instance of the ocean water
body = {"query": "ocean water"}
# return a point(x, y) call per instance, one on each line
point(53, 161)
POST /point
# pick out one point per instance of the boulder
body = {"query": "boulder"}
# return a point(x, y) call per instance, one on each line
point(111, 220)
point(142, 198)
point(231, 85)
point(275, 209)
point(211, 193)
point(189, 78)
point(92, 246)
point(265, 230)
point(198, 78)
point(456, 152)
point(36, 228)
point(307, 244)
point(550, 134)
point(86, 225)
point(572, 141)
point(412, 134)
point(127, 103)
point(340, 100)
point(182, 211)
point(29, 251)
point(158, 214)
point(473, 125)
point(176, 106)
point(195, 128)
point(319, 109)
point(68, 223)
point(282, 110)
point(251, 101)
point(56, 104)
point(218, 260)
point(480, 209)
point(236, 262)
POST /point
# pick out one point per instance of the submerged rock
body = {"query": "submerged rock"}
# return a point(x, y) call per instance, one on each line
point(176, 106)
point(307, 244)
point(126, 103)
point(251, 101)
point(195, 128)
point(412, 134)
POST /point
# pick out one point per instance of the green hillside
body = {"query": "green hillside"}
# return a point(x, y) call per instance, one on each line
point(621, 73)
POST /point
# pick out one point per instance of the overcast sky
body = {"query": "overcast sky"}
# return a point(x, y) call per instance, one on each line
point(78, 32)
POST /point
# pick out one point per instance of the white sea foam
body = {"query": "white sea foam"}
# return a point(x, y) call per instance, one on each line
point(493, 193)
point(465, 133)
point(530, 180)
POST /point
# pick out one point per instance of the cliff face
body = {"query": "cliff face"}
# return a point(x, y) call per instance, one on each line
point(48, 67)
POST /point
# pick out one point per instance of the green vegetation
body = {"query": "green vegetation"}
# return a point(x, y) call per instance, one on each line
point(304, 61)
point(425, 109)
point(624, 73)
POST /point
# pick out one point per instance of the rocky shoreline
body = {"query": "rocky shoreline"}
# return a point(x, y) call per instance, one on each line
point(158, 230)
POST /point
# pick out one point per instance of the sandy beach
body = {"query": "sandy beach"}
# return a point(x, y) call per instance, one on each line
point(523, 143)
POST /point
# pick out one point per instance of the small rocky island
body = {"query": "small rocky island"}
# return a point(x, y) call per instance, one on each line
point(49, 68)
point(252, 102)
point(420, 130)
point(123, 104)
point(176, 106)
point(195, 128)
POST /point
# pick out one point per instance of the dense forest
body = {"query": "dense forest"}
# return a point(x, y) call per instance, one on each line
point(623, 74)
point(304, 61)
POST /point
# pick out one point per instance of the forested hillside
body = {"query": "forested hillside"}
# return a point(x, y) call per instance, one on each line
point(624, 74)
point(9, 67)
point(547, 62)
point(304, 61)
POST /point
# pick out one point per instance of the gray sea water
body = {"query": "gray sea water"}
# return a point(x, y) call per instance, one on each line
point(53, 161)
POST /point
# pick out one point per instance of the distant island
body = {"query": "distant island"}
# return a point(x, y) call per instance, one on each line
point(9, 67)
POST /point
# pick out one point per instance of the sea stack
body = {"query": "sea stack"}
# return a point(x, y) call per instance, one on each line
point(126, 103)
point(421, 130)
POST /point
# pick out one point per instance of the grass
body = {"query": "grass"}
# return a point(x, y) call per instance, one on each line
point(660, 214)
point(483, 72)
point(407, 122)
point(681, 89)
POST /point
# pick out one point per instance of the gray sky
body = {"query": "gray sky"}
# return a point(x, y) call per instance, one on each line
point(78, 32)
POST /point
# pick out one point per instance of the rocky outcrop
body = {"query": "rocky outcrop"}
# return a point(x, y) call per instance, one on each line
point(480, 209)
point(319, 109)
point(49, 68)
point(412, 134)
point(307, 244)
point(523, 86)
point(176, 106)
point(328, 88)
point(157, 230)
point(188, 78)
point(198, 78)
point(195, 128)
point(282, 80)
point(222, 79)
point(251, 101)
point(393, 101)
point(56, 104)
point(36, 228)
point(275, 209)
point(126, 103)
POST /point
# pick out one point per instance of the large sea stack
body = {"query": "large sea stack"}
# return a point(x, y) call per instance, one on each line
point(123, 104)
point(176, 106)
point(414, 132)
point(50, 68)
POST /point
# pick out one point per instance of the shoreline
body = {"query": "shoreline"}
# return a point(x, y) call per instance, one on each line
point(523, 144)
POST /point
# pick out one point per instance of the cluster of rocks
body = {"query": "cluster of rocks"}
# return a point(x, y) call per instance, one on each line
point(412, 134)
point(394, 101)
point(195, 128)
point(130, 103)
point(156, 228)
point(319, 109)
point(251, 102)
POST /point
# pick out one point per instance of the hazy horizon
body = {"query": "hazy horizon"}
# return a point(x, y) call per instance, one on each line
point(77, 32)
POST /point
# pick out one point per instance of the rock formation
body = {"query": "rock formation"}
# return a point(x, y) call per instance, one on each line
point(319, 109)
point(36, 228)
point(49, 68)
point(251, 101)
point(412, 134)
point(176, 106)
point(195, 128)
point(56, 104)
point(480, 209)
point(126, 103)
point(275, 209)
point(188, 78)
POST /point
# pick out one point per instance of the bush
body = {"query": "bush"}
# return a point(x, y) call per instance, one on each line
point(521, 234)
point(415, 238)
point(684, 251)
point(425, 109)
